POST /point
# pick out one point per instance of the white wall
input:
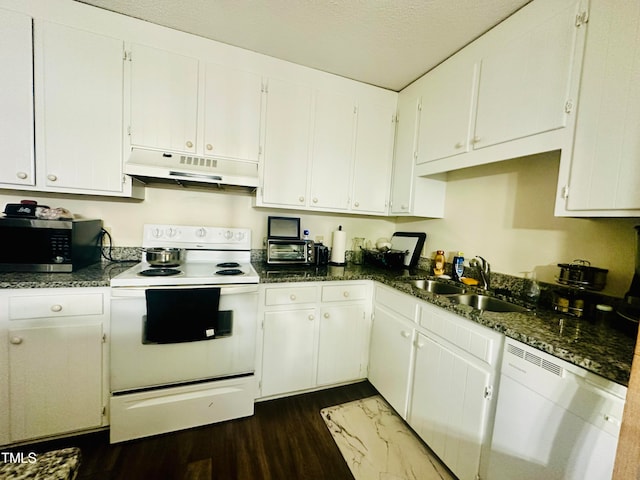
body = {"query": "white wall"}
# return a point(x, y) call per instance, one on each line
point(504, 212)
point(196, 206)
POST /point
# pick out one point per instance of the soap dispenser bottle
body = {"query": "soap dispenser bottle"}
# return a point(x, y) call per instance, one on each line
point(458, 267)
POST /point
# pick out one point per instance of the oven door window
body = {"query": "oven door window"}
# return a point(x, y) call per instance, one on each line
point(184, 315)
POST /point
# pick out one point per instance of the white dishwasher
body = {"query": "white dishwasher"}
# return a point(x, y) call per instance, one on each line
point(554, 420)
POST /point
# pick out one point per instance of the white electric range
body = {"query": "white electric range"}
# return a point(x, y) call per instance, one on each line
point(183, 341)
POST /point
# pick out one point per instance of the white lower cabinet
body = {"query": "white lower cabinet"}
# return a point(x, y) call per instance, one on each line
point(313, 335)
point(55, 347)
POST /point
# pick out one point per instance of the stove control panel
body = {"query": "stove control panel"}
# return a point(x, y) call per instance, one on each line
point(196, 237)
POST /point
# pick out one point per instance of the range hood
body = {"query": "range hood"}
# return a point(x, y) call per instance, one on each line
point(181, 168)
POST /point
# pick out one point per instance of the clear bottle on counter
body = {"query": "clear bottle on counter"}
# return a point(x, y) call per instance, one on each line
point(458, 266)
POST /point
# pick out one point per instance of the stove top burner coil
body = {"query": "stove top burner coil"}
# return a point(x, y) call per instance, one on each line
point(230, 271)
point(159, 272)
point(228, 265)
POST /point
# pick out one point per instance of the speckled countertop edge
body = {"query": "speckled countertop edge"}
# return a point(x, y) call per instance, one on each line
point(599, 348)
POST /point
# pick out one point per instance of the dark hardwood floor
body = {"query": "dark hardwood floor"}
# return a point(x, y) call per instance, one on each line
point(285, 439)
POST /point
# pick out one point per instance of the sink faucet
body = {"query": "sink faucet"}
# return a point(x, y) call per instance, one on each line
point(484, 269)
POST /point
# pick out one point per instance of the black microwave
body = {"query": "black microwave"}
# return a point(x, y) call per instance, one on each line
point(35, 245)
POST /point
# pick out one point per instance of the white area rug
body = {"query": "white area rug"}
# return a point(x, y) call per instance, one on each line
point(377, 445)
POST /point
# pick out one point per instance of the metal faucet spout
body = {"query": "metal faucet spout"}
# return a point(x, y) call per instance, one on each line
point(484, 270)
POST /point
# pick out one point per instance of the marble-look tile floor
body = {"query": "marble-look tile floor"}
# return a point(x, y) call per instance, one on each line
point(376, 443)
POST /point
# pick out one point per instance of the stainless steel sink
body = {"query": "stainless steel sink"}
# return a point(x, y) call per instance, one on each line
point(439, 288)
point(485, 302)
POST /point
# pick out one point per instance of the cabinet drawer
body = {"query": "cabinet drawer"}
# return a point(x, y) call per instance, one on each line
point(343, 293)
point(55, 306)
point(476, 340)
point(399, 302)
point(290, 295)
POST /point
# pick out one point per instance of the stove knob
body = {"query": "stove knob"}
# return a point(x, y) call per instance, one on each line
point(171, 232)
point(201, 232)
point(156, 233)
point(239, 236)
point(228, 235)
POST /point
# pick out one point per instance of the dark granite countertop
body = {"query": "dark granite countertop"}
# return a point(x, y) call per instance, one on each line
point(597, 347)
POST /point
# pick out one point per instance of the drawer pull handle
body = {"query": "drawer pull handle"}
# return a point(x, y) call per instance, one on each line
point(292, 297)
point(311, 317)
point(51, 177)
point(56, 308)
point(326, 315)
point(345, 294)
point(189, 144)
point(22, 175)
point(405, 334)
point(16, 340)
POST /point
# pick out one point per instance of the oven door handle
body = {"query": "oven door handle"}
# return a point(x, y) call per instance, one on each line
point(224, 289)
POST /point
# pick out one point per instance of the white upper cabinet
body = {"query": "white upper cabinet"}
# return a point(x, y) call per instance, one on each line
point(601, 174)
point(232, 109)
point(525, 79)
point(286, 144)
point(16, 99)
point(332, 151)
point(508, 94)
point(446, 109)
point(373, 158)
point(164, 99)
point(79, 99)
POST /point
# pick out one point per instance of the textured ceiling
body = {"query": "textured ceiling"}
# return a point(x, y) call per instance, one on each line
point(388, 43)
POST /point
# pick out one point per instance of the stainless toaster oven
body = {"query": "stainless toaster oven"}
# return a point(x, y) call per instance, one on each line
point(290, 252)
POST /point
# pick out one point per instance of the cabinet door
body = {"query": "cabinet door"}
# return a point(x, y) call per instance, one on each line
point(332, 154)
point(16, 99)
point(390, 358)
point(342, 344)
point(405, 147)
point(286, 144)
point(288, 351)
point(448, 95)
point(79, 93)
point(605, 166)
point(448, 406)
point(55, 380)
point(524, 82)
point(373, 158)
point(164, 99)
point(232, 109)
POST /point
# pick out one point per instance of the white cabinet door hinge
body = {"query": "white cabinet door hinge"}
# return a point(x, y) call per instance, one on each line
point(104, 335)
point(104, 411)
point(126, 55)
point(568, 106)
point(582, 18)
point(565, 192)
point(129, 130)
point(488, 392)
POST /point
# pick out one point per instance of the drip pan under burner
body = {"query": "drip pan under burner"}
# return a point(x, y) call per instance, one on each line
point(230, 271)
point(228, 265)
point(160, 272)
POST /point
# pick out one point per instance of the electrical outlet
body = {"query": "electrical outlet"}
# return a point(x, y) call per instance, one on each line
point(319, 239)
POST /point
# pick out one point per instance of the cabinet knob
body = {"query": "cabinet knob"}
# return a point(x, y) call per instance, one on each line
point(315, 199)
point(405, 334)
point(16, 340)
point(345, 294)
point(326, 315)
point(301, 198)
point(356, 204)
point(209, 146)
point(404, 207)
point(311, 317)
point(56, 308)
point(459, 145)
point(475, 140)
point(292, 297)
point(22, 175)
point(189, 144)
point(52, 177)
point(420, 344)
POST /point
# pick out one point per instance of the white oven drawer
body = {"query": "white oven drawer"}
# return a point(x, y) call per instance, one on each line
point(164, 410)
point(344, 293)
point(290, 295)
point(67, 305)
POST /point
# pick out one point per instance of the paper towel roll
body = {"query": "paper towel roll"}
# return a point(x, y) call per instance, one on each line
point(338, 247)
